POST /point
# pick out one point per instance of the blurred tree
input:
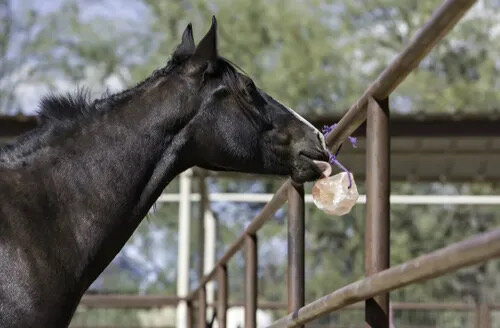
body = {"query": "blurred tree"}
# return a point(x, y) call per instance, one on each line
point(460, 75)
point(318, 56)
point(56, 49)
point(288, 49)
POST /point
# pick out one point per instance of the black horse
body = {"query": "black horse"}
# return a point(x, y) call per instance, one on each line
point(73, 190)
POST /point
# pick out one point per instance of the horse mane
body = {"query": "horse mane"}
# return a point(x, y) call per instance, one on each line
point(65, 107)
point(62, 112)
point(73, 107)
point(57, 113)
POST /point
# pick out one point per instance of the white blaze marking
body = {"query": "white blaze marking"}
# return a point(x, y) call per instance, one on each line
point(306, 122)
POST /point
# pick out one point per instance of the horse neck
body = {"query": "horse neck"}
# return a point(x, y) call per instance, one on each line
point(107, 174)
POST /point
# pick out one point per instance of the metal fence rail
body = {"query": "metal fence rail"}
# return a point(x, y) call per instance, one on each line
point(472, 251)
point(134, 301)
point(372, 107)
point(481, 316)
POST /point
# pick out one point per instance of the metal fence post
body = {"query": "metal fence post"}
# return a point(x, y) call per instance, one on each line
point(202, 307)
point(296, 234)
point(250, 281)
point(189, 314)
point(377, 206)
point(202, 206)
point(202, 295)
point(183, 249)
point(222, 295)
point(483, 316)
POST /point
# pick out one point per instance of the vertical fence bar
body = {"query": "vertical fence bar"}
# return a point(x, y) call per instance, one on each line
point(189, 315)
point(210, 249)
point(183, 248)
point(377, 206)
point(483, 316)
point(202, 295)
point(222, 296)
point(250, 281)
point(296, 232)
point(202, 206)
point(202, 307)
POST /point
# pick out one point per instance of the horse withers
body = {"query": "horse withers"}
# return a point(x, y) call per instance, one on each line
point(73, 190)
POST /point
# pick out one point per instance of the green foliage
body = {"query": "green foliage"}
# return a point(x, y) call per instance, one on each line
point(57, 50)
point(318, 56)
point(286, 48)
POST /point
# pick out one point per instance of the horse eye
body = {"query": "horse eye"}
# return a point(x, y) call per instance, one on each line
point(221, 91)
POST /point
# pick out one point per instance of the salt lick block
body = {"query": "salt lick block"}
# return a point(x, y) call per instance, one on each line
point(333, 196)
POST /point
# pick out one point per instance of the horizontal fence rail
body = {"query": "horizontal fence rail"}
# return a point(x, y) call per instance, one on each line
point(134, 301)
point(91, 302)
point(123, 301)
point(465, 253)
point(394, 199)
point(374, 106)
point(482, 313)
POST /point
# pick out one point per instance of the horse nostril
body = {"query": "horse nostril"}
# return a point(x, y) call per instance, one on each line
point(319, 138)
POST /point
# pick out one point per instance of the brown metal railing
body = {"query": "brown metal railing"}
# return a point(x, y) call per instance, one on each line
point(134, 301)
point(373, 108)
point(481, 313)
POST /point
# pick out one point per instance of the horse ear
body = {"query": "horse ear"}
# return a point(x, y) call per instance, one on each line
point(187, 46)
point(206, 51)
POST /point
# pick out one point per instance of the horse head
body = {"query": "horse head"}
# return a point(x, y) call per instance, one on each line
point(238, 126)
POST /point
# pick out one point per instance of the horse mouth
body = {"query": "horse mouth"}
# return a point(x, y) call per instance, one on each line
point(324, 167)
point(318, 161)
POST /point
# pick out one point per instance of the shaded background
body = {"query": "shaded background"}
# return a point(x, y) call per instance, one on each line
point(315, 56)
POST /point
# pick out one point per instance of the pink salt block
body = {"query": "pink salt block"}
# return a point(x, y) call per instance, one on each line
point(333, 196)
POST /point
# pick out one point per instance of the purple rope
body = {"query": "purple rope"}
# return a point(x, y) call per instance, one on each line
point(333, 158)
point(353, 141)
point(329, 128)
